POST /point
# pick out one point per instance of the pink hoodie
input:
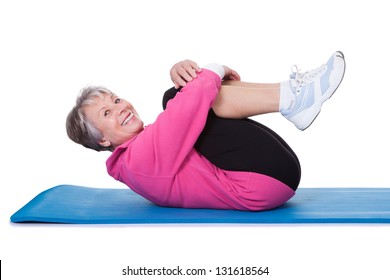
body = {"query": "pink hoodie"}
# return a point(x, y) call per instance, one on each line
point(162, 165)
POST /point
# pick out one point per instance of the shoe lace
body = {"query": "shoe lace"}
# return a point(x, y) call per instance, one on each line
point(298, 79)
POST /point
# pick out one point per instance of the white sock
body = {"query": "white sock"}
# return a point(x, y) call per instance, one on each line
point(287, 96)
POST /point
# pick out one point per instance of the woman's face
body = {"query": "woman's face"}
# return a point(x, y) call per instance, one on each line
point(115, 118)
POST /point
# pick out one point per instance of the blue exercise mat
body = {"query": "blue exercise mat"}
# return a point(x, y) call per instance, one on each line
point(85, 205)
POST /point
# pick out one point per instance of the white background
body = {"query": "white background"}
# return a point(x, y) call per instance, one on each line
point(49, 50)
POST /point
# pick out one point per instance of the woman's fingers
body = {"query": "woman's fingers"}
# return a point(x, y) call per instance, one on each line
point(183, 72)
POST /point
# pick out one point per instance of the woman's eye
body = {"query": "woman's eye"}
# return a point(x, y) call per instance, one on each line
point(106, 112)
point(117, 100)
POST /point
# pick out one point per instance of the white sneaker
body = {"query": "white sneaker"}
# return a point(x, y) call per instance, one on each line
point(313, 88)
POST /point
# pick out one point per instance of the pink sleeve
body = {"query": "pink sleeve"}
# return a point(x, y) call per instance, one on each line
point(165, 144)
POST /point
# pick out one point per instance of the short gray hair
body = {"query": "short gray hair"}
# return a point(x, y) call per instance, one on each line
point(78, 127)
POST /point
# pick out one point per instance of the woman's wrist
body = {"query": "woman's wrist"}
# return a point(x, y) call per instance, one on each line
point(216, 68)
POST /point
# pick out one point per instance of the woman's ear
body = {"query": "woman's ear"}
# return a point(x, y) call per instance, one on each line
point(105, 143)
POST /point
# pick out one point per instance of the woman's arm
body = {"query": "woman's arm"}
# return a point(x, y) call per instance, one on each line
point(164, 145)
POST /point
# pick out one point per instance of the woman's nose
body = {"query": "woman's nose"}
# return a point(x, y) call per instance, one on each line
point(121, 108)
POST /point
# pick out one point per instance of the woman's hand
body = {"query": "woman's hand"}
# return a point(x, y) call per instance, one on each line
point(183, 72)
point(230, 74)
point(187, 70)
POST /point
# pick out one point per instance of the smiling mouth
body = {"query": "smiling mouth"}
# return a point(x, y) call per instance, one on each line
point(128, 118)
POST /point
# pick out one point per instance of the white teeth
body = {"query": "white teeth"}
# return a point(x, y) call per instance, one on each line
point(128, 119)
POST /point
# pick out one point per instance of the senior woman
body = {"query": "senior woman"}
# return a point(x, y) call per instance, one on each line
point(203, 151)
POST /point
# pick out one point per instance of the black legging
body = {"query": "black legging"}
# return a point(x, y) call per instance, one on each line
point(245, 145)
